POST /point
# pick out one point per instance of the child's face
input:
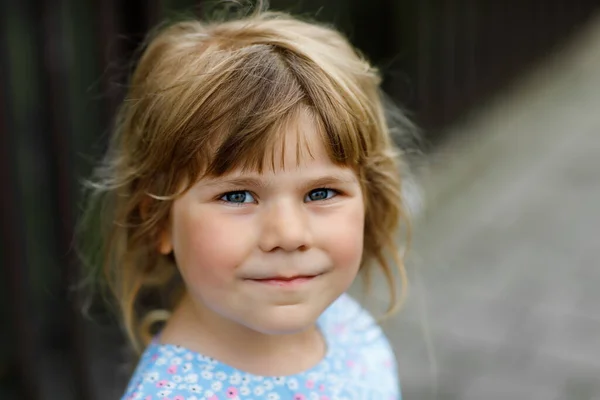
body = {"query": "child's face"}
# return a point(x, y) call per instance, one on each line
point(271, 251)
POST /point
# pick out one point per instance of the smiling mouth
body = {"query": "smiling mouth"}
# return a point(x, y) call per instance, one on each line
point(284, 281)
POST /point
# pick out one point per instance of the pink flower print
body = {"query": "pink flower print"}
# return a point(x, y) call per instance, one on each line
point(148, 397)
point(339, 328)
point(299, 396)
point(213, 397)
point(179, 397)
point(232, 393)
point(387, 363)
point(350, 363)
point(324, 397)
point(321, 387)
point(162, 383)
point(310, 384)
point(172, 369)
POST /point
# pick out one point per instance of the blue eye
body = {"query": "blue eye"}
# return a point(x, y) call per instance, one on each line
point(238, 197)
point(321, 194)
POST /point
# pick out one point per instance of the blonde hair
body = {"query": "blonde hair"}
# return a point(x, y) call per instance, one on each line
point(206, 98)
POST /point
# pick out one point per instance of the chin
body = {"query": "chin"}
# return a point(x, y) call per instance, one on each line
point(283, 322)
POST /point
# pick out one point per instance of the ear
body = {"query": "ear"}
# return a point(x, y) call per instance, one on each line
point(164, 244)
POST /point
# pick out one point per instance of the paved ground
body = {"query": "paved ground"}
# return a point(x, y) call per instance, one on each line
point(506, 263)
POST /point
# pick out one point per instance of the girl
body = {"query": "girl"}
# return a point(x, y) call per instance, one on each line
point(251, 176)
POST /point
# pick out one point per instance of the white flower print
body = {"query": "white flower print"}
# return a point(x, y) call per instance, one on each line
point(195, 388)
point(313, 396)
point(177, 378)
point(188, 356)
point(221, 375)
point(170, 385)
point(246, 379)
point(209, 394)
point(161, 361)
point(187, 367)
point(192, 398)
point(191, 378)
point(176, 361)
point(245, 390)
point(216, 386)
point(179, 349)
point(268, 385)
point(259, 391)
point(235, 379)
point(273, 396)
point(279, 380)
point(292, 383)
point(137, 396)
point(163, 393)
point(207, 375)
point(183, 386)
point(152, 377)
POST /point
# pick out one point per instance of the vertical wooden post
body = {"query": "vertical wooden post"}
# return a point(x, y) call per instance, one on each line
point(14, 261)
point(55, 133)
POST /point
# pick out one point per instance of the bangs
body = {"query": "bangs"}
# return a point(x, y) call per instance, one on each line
point(255, 106)
point(267, 150)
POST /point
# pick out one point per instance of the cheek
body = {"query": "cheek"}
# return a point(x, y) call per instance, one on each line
point(344, 237)
point(208, 246)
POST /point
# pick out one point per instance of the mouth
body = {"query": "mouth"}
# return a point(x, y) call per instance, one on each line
point(285, 281)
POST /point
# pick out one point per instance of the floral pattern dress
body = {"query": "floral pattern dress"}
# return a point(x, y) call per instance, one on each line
point(359, 365)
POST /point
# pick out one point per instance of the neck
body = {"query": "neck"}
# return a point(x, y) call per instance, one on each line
point(204, 331)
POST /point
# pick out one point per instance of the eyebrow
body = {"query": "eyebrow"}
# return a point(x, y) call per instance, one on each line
point(237, 181)
point(334, 179)
point(337, 179)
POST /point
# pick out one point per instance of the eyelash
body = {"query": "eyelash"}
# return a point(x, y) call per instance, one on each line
point(335, 193)
point(220, 198)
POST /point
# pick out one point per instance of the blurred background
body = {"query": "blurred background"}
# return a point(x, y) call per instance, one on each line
point(504, 267)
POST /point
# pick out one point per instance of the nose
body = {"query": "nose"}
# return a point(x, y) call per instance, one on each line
point(285, 227)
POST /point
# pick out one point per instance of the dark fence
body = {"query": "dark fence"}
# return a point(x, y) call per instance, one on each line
point(61, 74)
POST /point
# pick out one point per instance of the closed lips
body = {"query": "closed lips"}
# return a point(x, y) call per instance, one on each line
point(284, 278)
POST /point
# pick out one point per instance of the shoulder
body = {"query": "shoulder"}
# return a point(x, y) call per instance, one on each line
point(352, 330)
point(164, 371)
point(346, 319)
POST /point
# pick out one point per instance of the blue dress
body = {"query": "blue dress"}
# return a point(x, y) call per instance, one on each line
point(359, 365)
